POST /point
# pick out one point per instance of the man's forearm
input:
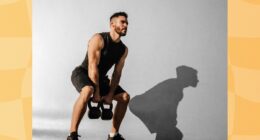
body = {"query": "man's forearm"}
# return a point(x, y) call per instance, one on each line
point(114, 83)
point(94, 76)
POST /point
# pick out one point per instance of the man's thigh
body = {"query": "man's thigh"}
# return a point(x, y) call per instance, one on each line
point(105, 87)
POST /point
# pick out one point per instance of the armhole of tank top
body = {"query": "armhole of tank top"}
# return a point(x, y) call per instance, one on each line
point(102, 35)
point(123, 50)
point(124, 47)
point(105, 38)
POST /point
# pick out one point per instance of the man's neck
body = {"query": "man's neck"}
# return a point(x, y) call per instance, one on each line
point(115, 36)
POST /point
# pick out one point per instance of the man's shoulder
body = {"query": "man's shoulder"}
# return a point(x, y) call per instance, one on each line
point(97, 40)
point(97, 37)
point(103, 34)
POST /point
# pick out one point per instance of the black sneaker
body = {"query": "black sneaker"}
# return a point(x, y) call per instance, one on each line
point(116, 137)
point(73, 136)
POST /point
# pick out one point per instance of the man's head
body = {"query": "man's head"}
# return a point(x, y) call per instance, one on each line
point(187, 75)
point(118, 23)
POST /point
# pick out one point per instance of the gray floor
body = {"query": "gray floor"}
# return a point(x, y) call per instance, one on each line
point(56, 127)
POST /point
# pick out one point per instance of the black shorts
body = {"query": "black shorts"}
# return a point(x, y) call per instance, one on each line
point(80, 79)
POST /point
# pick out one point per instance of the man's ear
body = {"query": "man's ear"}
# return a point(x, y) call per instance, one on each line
point(112, 24)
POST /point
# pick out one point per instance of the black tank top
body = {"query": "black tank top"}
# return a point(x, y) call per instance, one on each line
point(110, 54)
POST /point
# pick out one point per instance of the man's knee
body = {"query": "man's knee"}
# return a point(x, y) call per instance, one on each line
point(86, 93)
point(126, 97)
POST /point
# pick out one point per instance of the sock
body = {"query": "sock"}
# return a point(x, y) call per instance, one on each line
point(112, 134)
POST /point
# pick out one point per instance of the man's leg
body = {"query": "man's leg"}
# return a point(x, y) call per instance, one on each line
point(80, 107)
point(120, 110)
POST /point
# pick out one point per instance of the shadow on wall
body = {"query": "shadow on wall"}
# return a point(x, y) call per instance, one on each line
point(157, 107)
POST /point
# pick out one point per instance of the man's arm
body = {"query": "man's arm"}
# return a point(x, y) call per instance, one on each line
point(94, 49)
point(117, 73)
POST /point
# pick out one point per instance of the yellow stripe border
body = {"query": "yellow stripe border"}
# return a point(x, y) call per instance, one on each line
point(15, 70)
point(243, 70)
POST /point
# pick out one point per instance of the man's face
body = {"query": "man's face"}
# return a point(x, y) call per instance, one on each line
point(119, 25)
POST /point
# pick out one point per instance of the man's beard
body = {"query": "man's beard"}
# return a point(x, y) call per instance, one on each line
point(117, 29)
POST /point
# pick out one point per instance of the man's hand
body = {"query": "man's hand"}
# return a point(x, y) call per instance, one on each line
point(96, 96)
point(108, 99)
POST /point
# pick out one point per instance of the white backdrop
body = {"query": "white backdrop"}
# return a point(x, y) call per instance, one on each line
point(162, 35)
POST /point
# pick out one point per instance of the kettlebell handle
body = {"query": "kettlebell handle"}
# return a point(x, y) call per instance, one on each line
point(102, 105)
point(91, 100)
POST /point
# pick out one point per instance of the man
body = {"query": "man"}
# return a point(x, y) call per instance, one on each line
point(104, 50)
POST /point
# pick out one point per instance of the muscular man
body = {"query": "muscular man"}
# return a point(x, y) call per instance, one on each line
point(90, 78)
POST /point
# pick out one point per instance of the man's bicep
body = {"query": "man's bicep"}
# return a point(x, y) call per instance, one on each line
point(94, 49)
point(93, 56)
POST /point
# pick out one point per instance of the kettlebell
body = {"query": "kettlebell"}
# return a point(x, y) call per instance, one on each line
point(107, 113)
point(94, 111)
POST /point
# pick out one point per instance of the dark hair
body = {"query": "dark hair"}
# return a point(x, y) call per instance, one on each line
point(117, 14)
